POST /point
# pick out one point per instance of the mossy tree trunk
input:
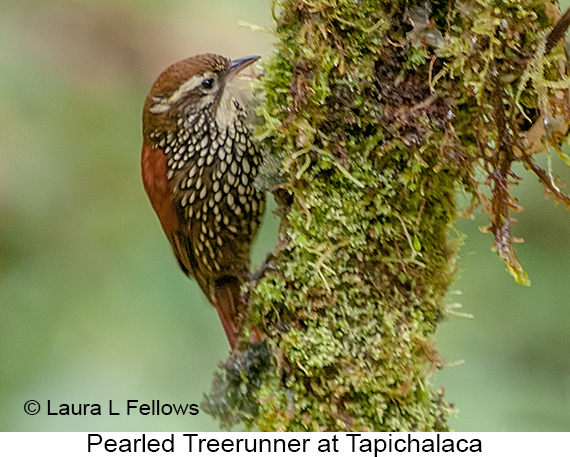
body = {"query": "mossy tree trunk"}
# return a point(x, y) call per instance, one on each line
point(374, 115)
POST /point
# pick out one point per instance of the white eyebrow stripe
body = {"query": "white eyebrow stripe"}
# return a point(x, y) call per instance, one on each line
point(163, 104)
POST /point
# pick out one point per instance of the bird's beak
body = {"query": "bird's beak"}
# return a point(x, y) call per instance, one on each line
point(240, 64)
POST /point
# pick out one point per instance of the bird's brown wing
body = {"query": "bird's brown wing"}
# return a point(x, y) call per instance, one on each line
point(154, 170)
point(154, 175)
point(225, 293)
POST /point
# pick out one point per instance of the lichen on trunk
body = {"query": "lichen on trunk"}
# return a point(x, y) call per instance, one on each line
point(368, 121)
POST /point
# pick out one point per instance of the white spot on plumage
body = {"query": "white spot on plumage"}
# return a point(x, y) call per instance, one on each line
point(204, 144)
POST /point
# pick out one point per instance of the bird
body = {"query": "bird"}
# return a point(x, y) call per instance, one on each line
point(198, 165)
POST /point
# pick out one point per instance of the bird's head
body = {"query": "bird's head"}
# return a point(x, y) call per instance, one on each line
point(194, 87)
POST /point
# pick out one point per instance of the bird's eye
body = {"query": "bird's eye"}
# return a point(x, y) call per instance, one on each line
point(207, 84)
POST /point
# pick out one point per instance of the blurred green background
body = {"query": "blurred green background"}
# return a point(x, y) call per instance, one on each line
point(93, 306)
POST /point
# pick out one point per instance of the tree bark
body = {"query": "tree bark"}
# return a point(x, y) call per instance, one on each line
point(373, 116)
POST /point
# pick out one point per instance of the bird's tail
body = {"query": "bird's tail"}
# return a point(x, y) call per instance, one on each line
point(227, 300)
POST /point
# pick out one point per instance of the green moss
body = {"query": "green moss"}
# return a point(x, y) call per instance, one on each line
point(373, 136)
